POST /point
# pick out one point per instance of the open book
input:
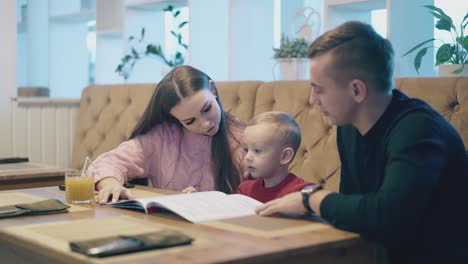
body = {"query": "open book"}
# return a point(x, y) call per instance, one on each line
point(196, 207)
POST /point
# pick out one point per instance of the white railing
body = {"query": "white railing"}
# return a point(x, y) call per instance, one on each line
point(43, 129)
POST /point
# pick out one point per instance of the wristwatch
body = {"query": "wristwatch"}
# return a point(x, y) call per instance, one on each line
point(306, 192)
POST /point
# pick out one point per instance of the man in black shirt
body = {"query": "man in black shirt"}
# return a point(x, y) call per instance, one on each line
point(404, 171)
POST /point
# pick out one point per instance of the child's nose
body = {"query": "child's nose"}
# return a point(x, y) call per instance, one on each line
point(248, 156)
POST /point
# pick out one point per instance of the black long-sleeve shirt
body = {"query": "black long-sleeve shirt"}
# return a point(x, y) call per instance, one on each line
point(404, 184)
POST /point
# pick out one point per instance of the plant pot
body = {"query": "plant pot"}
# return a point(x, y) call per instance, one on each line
point(292, 69)
point(446, 70)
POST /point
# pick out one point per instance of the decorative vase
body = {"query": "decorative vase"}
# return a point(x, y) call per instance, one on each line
point(292, 69)
point(446, 70)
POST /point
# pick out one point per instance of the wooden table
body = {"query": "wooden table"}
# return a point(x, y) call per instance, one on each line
point(29, 175)
point(316, 243)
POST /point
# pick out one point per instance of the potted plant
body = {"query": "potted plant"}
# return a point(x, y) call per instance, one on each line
point(453, 55)
point(291, 56)
point(140, 48)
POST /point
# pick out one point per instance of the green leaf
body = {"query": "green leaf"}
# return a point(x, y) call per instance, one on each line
point(142, 34)
point(169, 8)
point(442, 13)
point(183, 24)
point(131, 38)
point(465, 43)
point(418, 46)
point(444, 53)
point(464, 23)
point(177, 13)
point(135, 53)
point(173, 33)
point(436, 15)
point(443, 24)
point(418, 59)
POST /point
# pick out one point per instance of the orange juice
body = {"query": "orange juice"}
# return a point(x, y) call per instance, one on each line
point(79, 188)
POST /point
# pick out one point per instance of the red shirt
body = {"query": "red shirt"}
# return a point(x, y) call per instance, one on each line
point(256, 190)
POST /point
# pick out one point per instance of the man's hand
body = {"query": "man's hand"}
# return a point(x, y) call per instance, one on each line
point(289, 204)
point(292, 204)
point(111, 187)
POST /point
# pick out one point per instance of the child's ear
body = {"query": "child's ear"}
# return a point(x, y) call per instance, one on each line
point(287, 156)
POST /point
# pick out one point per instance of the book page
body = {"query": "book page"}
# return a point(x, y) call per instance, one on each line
point(204, 206)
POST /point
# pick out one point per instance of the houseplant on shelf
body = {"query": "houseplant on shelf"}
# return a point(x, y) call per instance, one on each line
point(450, 57)
point(140, 48)
point(291, 56)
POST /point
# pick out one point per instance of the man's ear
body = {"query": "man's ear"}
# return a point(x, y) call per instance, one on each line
point(287, 156)
point(213, 88)
point(359, 90)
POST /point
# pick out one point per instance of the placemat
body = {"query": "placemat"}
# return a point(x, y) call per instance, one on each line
point(267, 227)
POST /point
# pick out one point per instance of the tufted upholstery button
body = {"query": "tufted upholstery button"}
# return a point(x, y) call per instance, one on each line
point(116, 118)
point(123, 137)
point(88, 100)
point(453, 104)
point(83, 135)
point(129, 100)
point(96, 118)
point(108, 100)
point(103, 136)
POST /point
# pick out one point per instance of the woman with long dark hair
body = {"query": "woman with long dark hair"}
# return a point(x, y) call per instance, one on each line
point(184, 141)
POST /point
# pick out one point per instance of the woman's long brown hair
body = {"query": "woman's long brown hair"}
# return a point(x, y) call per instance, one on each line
point(179, 83)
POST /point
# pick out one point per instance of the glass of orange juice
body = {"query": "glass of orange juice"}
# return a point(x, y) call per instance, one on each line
point(79, 187)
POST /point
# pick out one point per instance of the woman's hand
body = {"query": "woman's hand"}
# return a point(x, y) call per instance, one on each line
point(189, 189)
point(111, 187)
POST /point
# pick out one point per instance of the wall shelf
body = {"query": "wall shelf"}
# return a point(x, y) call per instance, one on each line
point(110, 33)
point(154, 5)
point(74, 18)
point(357, 5)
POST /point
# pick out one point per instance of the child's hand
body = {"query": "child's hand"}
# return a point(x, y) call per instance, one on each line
point(189, 189)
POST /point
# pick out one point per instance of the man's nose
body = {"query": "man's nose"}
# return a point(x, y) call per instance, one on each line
point(312, 97)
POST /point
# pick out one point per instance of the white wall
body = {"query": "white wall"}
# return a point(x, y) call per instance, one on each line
point(68, 59)
point(209, 48)
point(38, 43)
point(7, 72)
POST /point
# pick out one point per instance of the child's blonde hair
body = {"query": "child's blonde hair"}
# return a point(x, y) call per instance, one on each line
point(287, 128)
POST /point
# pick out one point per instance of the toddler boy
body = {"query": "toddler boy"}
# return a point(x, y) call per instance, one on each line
point(271, 140)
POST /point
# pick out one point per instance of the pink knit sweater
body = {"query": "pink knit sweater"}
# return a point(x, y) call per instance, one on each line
point(170, 157)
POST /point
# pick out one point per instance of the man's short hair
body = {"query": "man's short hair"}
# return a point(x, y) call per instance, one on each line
point(359, 52)
point(287, 129)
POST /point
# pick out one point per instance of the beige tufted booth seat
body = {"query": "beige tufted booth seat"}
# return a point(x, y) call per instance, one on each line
point(108, 114)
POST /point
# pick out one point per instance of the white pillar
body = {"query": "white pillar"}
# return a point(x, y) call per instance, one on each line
point(7, 72)
point(409, 23)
